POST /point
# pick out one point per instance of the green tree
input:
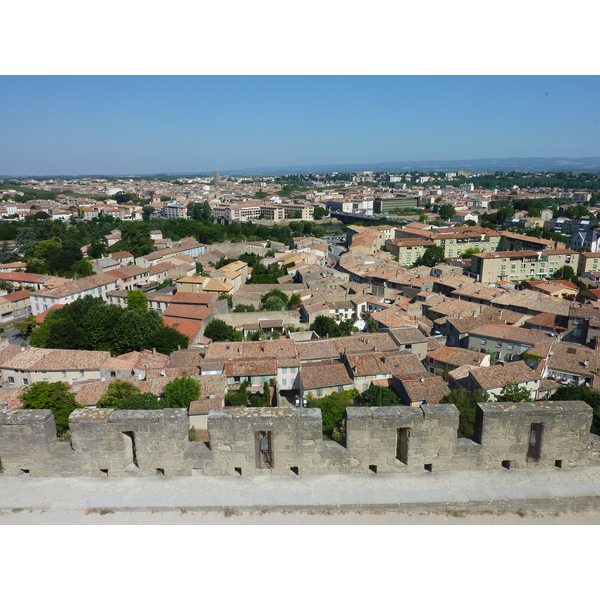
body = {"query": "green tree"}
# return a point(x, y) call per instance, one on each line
point(275, 294)
point(239, 397)
point(145, 401)
point(167, 340)
point(53, 396)
point(181, 391)
point(116, 393)
point(267, 393)
point(295, 301)
point(244, 308)
point(326, 327)
point(96, 250)
point(125, 197)
point(135, 238)
point(469, 252)
point(380, 396)
point(447, 211)
point(137, 300)
point(432, 256)
point(577, 211)
point(273, 303)
point(218, 331)
point(582, 394)
point(133, 330)
point(565, 273)
point(6, 285)
point(147, 212)
point(333, 410)
point(512, 392)
point(319, 212)
point(466, 402)
point(26, 326)
point(65, 335)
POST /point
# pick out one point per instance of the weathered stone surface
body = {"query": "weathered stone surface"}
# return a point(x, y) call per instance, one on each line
point(106, 442)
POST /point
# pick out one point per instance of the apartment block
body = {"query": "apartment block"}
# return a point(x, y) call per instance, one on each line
point(491, 267)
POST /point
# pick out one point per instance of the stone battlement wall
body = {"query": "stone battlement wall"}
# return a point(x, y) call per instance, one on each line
point(288, 441)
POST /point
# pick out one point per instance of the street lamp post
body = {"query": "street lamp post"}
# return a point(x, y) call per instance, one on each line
point(300, 402)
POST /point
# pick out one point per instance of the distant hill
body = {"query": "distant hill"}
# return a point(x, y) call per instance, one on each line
point(477, 165)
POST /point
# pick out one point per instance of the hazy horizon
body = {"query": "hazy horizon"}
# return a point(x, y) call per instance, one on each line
point(199, 124)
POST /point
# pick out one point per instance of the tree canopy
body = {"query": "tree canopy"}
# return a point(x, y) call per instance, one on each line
point(218, 331)
point(432, 256)
point(447, 211)
point(53, 396)
point(327, 327)
point(583, 394)
point(181, 391)
point(91, 324)
point(333, 411)
point(513, 392)
point(380, 396)
point(466, 401)
point(137, 300)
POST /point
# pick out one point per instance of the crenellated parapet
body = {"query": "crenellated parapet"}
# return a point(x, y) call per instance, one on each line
point(289, 441)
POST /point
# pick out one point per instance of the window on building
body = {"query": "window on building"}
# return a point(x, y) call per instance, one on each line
point(483, 341)
point(11, 380)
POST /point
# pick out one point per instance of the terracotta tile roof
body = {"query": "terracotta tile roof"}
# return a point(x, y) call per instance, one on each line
point(78, 285)
point(407, 335)
point(12, 396)
point(188, 328)
point(37, 359)
point(510, 332)
point(266, 348)
point(127, 272)
point(197, 298)
point(427, 387)
point(147, 359)
point(572, 358)
point(325, 373)
point(497, 376)
point(188, 312)
point(191, 357)
point(212, 385)
point(311, 350)
point(202, 407)
point(16, 296)
point(455, 308)
point(119, 255)
point(456, 357)
point(42, 316)
point(547, 321)
point(251, 367)
point(368, 364)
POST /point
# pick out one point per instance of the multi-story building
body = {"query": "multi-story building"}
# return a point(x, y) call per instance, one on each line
point(174, 210)
point(579, 233)
point(387, 204)
point(491, 267)
point(96, 285)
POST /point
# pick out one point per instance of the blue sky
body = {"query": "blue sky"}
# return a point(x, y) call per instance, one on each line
point(149, 124)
